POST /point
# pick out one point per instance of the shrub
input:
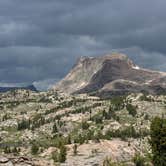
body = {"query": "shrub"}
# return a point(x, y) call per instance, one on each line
point(7, 150)
point(139, 160)
point(98, 118)
point(110, 114)
point(24, 124)
point(68, 139)
point(85, 125)
point(38, 121)
point(117, 103)
point(34, 149)
point(55, 156)
point(131, 110)
point(146, 117)
point(62, 154)
point(54, 129)
point(59, 156)
point(109, 162)
point(5, 117)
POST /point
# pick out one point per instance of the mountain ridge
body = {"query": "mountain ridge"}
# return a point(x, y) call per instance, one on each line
point(112, 73)
point(29, 87)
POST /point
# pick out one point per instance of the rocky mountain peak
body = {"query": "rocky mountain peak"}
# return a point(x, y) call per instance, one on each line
point(85, 61)
point(115, 71)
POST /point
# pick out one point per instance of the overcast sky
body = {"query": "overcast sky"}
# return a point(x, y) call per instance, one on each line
point(41, 39)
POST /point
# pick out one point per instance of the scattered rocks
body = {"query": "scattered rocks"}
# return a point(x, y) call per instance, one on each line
point(3, 160)
point(23, 161)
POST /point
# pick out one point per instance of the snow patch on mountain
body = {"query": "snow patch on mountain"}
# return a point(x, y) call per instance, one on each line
point(136, 67)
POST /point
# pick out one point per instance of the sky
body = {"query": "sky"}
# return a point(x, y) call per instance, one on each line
point(40, 40)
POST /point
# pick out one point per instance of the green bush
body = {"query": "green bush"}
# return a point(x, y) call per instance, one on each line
point(110, 114)
point(84, 125)
point(55, 156)
point(117, 103)
point(34, 149)
point(131, 110)
point(37, 121)
point(62, 154)
point(23, 124)
point(54, 129)
point(139, 160)
point(109, 162)
point(98, 118)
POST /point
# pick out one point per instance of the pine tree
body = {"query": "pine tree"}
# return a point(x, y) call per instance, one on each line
point(34, 149)
point(55, 129)
point(63, 153)
point(158, 141)
point(75, 149)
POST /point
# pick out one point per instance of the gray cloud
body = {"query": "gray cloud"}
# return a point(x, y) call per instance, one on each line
point(40, 40)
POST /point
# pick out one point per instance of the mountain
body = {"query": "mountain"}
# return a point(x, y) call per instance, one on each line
point(112, 74)
point(30, 87)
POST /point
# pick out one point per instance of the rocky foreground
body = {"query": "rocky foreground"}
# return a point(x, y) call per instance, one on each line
point(51, 128)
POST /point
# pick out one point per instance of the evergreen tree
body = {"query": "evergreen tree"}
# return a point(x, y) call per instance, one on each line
point(158, 141)
point(85, 125)
point(34, 149)
point(131, 109)
point(55, 129)
point(75, 149)
point(139, 160)
point(24, 124)
point(62, 154)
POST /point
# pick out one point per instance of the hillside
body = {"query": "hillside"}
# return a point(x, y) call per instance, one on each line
point(50, 128)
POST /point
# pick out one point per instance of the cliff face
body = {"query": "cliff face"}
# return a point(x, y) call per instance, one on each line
point(80, 75)
point(111, 75)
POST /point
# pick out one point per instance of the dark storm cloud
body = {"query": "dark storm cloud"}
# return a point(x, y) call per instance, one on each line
point(41, 39)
